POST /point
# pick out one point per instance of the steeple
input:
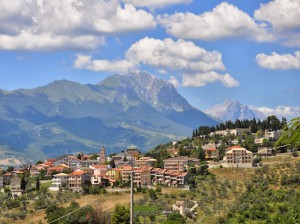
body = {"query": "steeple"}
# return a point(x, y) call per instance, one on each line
point(102, 155)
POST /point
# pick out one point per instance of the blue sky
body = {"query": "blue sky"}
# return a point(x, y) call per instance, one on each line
point(210, 50)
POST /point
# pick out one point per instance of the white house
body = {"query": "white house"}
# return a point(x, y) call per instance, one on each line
point(58, 181)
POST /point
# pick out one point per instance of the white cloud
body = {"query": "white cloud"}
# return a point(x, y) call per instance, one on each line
point(48, 41)
point(278, 61)
point(225, 20)
point(162, 71)
point(280, 111)
point(174, 81)
point(53, 22)
point(201, 79)
point(156, 3)
point(282, 14)
point(86, 62)
point(180, 55)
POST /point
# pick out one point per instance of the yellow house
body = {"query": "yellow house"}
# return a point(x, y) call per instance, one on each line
point(114, 174)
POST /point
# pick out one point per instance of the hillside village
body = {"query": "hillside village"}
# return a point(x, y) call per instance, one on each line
point(219, 148)
point(175, 164)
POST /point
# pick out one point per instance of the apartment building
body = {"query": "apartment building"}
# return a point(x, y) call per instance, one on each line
point(179, 163)
point(59, 180)
point(141, 176)
point(145, 161)
point(77, 178)
point(70, 161)
point(235, 131)
point(237, 156)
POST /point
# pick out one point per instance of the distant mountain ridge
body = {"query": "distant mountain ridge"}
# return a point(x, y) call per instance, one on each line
point(233, 110)
point(122, 110)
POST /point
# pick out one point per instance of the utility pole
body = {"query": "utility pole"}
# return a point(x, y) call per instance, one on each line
point(131, 198)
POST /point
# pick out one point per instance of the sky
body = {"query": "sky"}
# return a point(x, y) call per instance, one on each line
point(212, 51)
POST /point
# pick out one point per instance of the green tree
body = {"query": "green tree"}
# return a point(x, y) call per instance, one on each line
point(201, 154)
point(9, 169)
point(112, 163)
point(175, 218)
point(37, 183)
point(152, 194)
point(23, 183)
point(94, 156)
point(120, 215)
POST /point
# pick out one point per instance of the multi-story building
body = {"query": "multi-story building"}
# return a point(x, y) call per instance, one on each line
point(179, 163)
point(145, 161)
point(237, 156)
point(265, 151)
point(114, 174)
point(141, 176)
point(89, 162)
point(272, 135)
point(235, 131)
point(70, 161)
point(58, 181)
point(77, 178)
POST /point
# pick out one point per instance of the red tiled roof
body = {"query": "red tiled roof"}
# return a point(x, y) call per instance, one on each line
point(126, 167)
point(234, 147)
point(182, 174)
point(78, 172)
point(210, 149)
point(99, 166)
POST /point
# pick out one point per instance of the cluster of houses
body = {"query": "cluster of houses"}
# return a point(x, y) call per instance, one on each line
point(73, 171)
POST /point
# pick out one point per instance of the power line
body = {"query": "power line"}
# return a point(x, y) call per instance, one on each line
point(77, 209)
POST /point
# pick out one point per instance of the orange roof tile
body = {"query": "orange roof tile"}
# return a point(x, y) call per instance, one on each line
point(78, 172)
point(99, 166)
point(210, 149)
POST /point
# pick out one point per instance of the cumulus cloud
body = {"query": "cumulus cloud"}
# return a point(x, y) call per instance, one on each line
point(182, 57)
point(48, 41)
point(280, 111)
point(201, 79)
point(224, 21)
point(56, 21)
point(156, 3)
point(175, 55)
point(279, 61)
point(282, 14)
point(86, 62)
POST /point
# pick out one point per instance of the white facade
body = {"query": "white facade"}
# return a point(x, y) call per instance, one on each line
point(58, 181)
point(238, 157)
point(70, 161)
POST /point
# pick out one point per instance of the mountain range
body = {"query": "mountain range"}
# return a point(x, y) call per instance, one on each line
point(233, 110)
point(65, 117)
